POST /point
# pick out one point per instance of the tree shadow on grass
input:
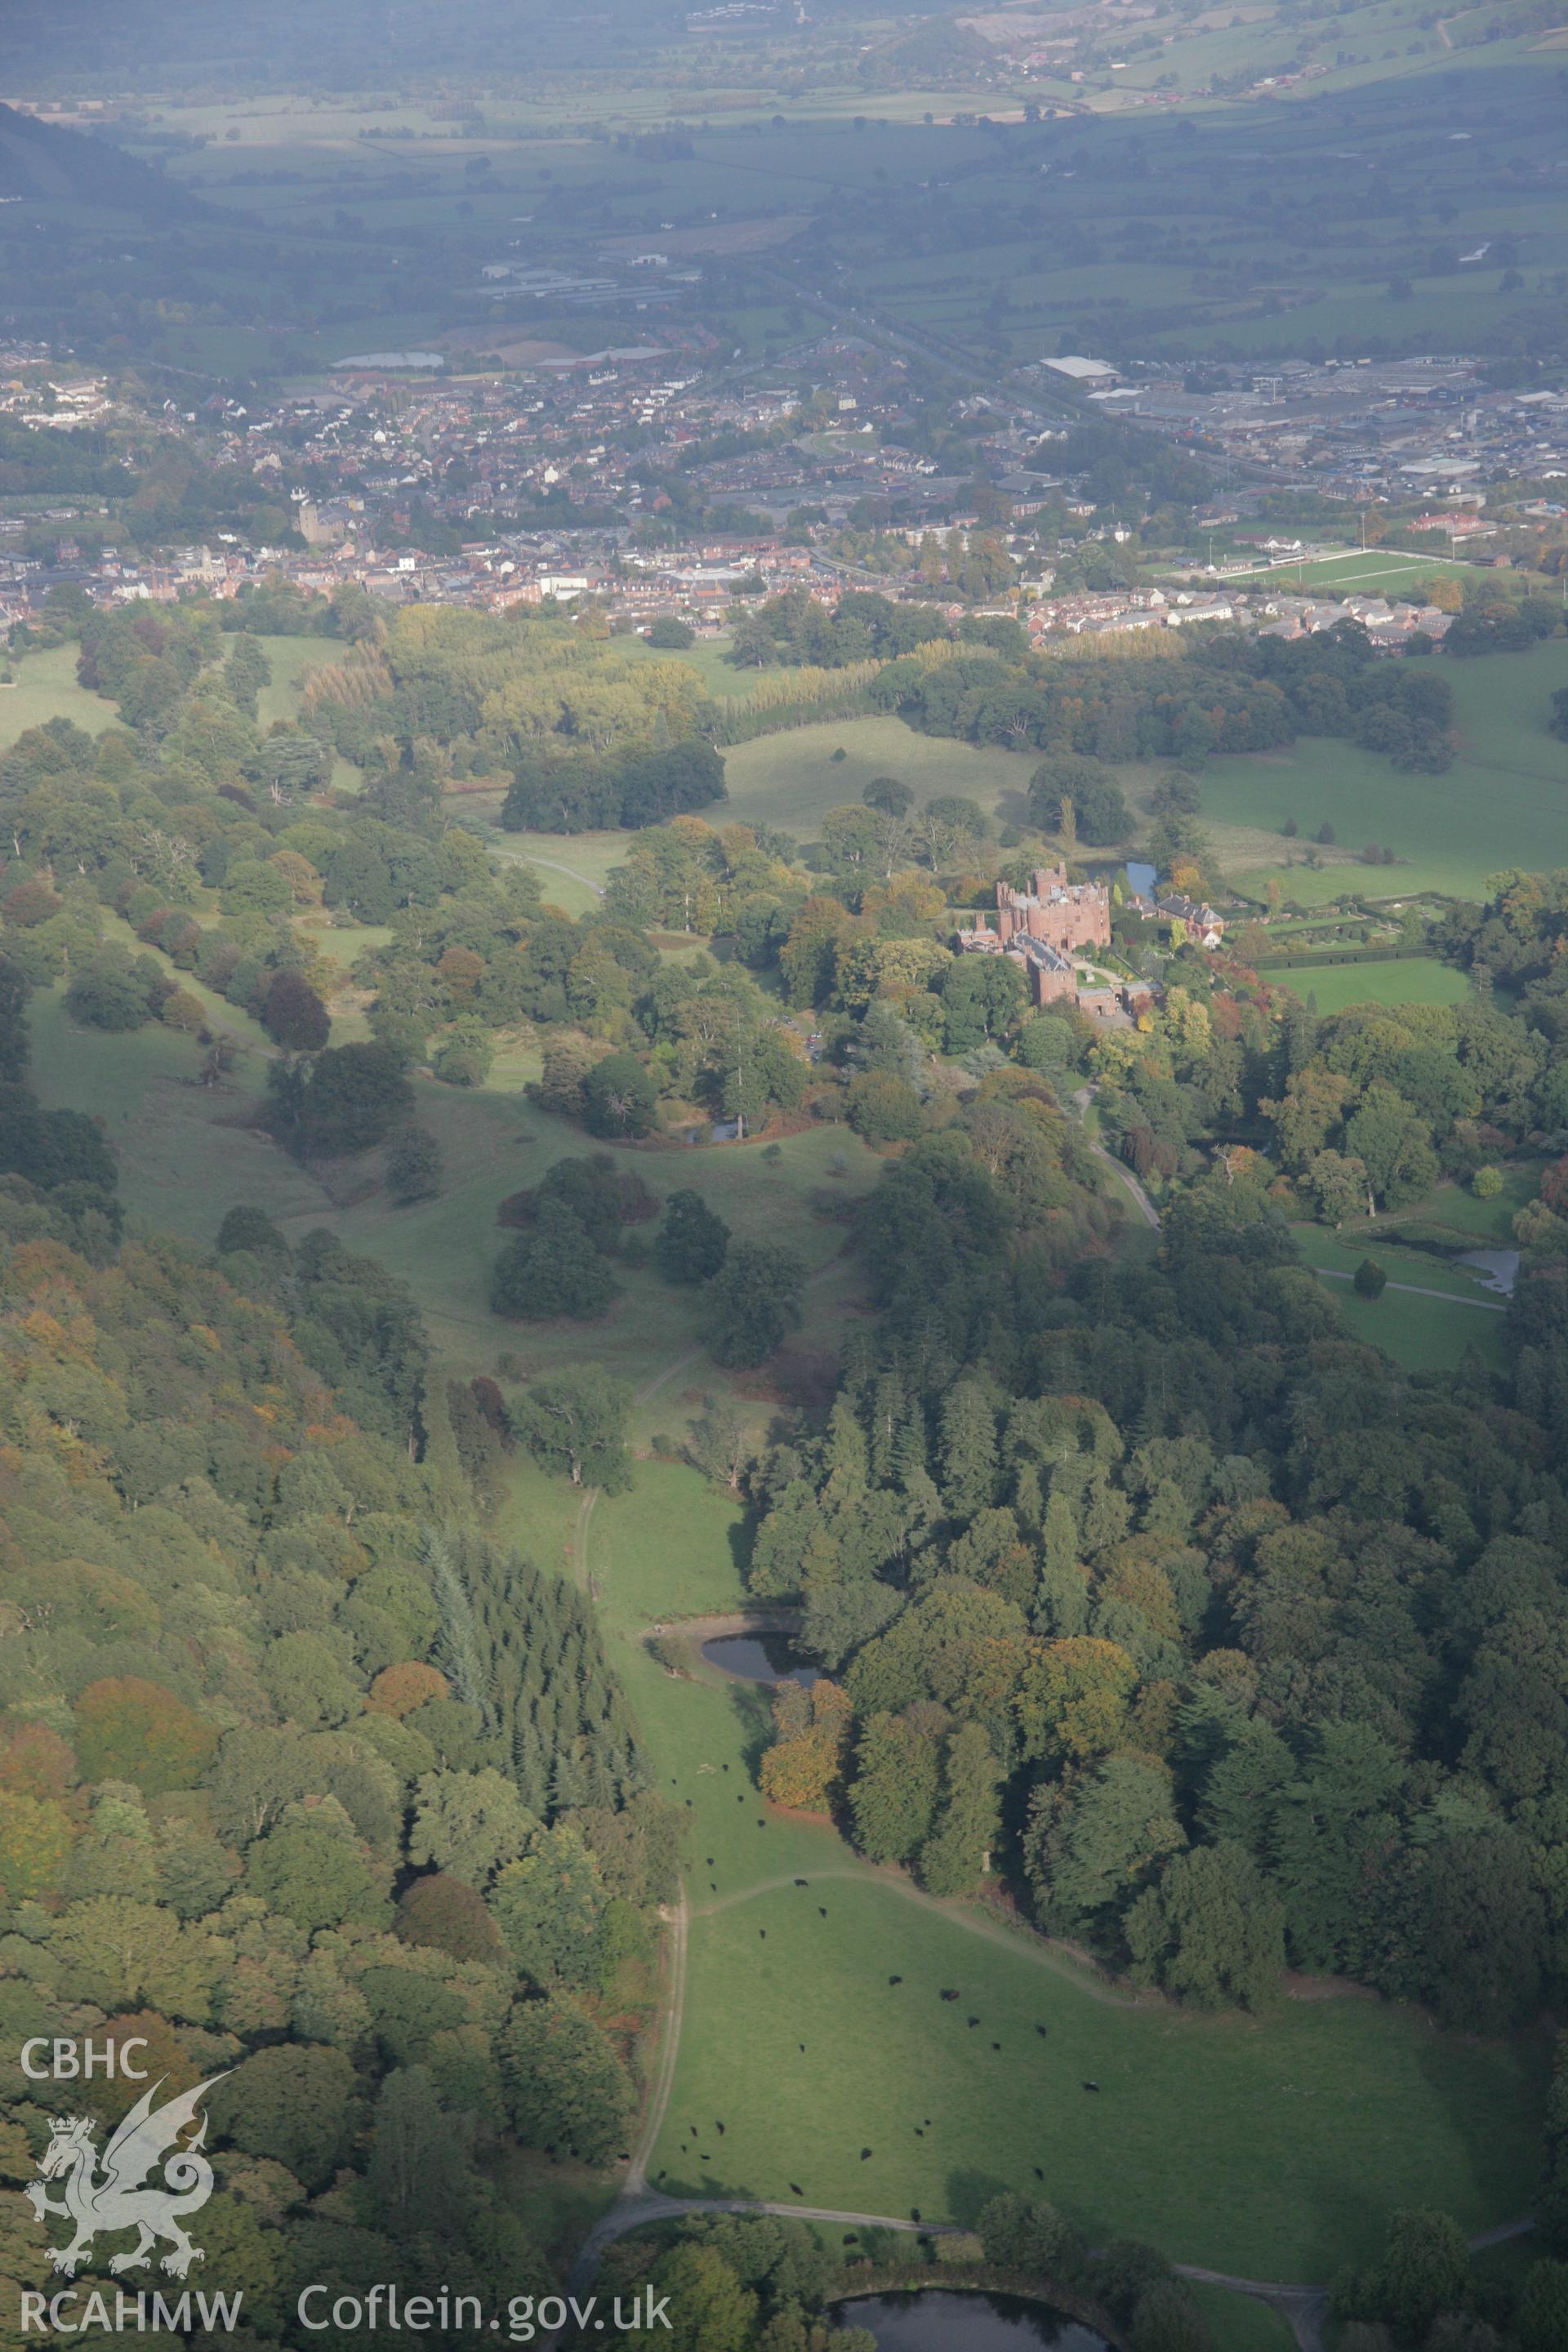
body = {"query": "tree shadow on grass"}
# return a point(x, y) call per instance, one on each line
point(751, 1704)
point(969, 2192)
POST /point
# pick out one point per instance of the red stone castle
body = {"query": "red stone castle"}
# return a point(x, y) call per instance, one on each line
point(1042, 928)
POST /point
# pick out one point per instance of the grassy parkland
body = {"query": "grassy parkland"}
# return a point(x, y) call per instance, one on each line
point(1274, 2147)
point(1500, 803)
point(189, 1152)
point(1405, 979)
point(44, 687)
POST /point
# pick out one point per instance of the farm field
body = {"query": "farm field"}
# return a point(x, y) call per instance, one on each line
point(1412, 980)
point(1301, 2132)
point(791, 779)
point(1503, 803)
point(45, 689)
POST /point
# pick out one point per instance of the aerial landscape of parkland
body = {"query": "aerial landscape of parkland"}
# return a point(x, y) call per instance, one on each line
point(784, 1175)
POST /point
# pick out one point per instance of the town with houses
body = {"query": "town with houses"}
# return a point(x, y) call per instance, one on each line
point(655, 480)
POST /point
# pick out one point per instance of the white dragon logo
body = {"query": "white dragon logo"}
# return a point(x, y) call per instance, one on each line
point(117, 2200)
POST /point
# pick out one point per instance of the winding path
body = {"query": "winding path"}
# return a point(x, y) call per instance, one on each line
point(1144, 1205)
point(671, 2020)
point(553, 865)
point(637, 2211)
point(1417, 1290)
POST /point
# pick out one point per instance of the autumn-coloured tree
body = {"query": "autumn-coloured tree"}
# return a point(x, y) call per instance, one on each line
point(163, 2059)
point(130, 1730)
point(35, 1760)
point(804, 1768)
point(35, 1838)
point(1074, 1697)
point(449, 1915)
point(183, 1010)
point(398, 1690)
point(461, 970)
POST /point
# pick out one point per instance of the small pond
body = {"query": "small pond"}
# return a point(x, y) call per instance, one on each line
point(758, 1658)
point(938, 2322)
point(1498, 1269)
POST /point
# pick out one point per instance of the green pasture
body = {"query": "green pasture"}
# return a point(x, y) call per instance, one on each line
point(1277, 2147)
point(1503, 803)
point(45, 689)
point(1413, 979)
point(720, 677)
point(1481, 1224)
point(1422, 1332)
point(791, 779)
point(188, 1153)
point(1239, 2323)
point(572, 868)
point(291, 661)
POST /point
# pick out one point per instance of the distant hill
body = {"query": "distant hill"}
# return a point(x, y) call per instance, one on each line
point(80, 45)
point(42, 160)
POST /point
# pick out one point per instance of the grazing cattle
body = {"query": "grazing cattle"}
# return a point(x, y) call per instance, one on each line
point(951, 1994)
point(864, 2154)
point(795, 2189)
point(1041, 2031)
point(893, 1980)
point(1092, 2086)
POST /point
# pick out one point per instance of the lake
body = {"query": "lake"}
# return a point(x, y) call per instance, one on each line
point(938, 2322)
point(758, 1658)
